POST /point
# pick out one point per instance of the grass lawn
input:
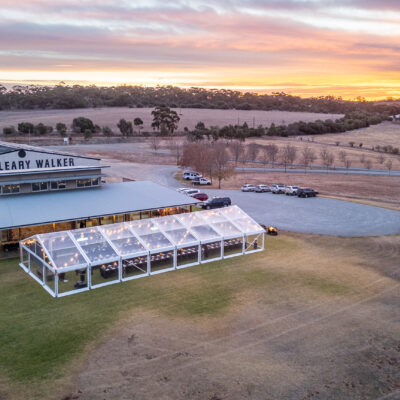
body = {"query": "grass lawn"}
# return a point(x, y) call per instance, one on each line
point(42, 336)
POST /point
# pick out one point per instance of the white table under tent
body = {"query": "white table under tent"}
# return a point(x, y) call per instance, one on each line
point(74, 261)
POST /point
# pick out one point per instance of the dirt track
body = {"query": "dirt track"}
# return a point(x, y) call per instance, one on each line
point(299, 344)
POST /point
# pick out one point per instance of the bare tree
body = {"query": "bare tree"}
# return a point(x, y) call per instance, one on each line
point(288, 155)
point(307, 157)
point(342, 156)
point(389, 165)
point(368, 164)
point(155, 142)
point(327, 157)
point(272, 151)
point(362, 159)
point(381, 159)
point(237, 149)
point(222, 167)
point(176, 148)
point(252, 151)
point(347, 164)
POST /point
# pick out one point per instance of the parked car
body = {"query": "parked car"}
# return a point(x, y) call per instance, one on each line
point(217, 202)
point(200, 196)
point(201, 181)
point(182, 189)
point(278, 189)
point(291, 190)
point(306, 192)
point(248, 188)
point(191, 175)
point(191, 192)
point(262, 189)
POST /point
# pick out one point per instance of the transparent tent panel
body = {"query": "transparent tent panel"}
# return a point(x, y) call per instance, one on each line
point(94, 244)
point(181, 237)
point(168, 223)
point(233, 212)
point(227, 228)
point(213, 216)
point(62, 250)
point(247, 225)
point(191, 219)
point(155, 241)
point(205, 232)
point(143, 227)
point(123, 240)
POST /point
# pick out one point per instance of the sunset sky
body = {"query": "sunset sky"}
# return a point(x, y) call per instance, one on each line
point(347, 48)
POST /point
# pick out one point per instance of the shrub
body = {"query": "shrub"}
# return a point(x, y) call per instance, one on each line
point(9, 130)
point(81, 124)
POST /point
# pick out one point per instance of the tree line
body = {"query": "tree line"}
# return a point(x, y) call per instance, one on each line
point(63, 96)
point(351, 121)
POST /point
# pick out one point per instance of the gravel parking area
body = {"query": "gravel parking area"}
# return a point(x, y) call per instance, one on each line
point(315, 215)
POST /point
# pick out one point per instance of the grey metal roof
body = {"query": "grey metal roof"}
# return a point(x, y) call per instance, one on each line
point(6, 147)
point(115, 198)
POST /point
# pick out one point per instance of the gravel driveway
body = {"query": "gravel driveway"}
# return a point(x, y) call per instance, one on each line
point(315, 215)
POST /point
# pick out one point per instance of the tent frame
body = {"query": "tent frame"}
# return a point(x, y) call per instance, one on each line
point(51, 266)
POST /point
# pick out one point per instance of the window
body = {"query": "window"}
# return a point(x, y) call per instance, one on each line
point(83, 183)
point(38, 187)
point(58, 185)
point(95, 182)
point(9, 189)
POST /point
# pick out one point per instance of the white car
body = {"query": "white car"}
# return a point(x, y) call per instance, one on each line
point(191, 175)
point(291, 190)
point(278, 189)
point(248, 188)
point(201, 181)
point(262, 189)
point(191, 192)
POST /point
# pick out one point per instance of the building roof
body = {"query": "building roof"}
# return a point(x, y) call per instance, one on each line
point(8, 147)
point(115, 198)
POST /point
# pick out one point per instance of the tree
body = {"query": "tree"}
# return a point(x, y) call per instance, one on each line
point(9, 130)
point(272, 150)
point(222, 168)
point(125, 127)
point(176, 149)
point(381, 159)
point(389, 165)
point(342, 156)
point(107, 131)
point(237, 149)
point(87, 134)
point(327, 157)
point(42, 129)
point(81, 124)
point(308, 157)
point(368, 164)
point(347, 164)
point(154, 142)
point(138, 122)
point(288, 155)
point(26, 127)
point(61, 128)
point(165, 120)
point(252, 151)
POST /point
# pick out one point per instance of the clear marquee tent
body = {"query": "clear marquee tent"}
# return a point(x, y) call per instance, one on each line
point(73, 261)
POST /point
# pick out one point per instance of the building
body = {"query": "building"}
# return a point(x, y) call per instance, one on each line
point(46, 191)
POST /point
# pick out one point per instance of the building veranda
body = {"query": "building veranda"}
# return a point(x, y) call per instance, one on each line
point(73, 261)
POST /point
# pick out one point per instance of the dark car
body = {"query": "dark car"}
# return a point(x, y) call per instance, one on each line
point(306, 192)
point(217, 202)
point(200, 196)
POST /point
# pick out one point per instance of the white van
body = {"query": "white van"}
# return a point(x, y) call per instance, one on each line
point(191, 175)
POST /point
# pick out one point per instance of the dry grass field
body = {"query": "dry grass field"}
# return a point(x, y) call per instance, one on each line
point(384, 134)
point(189, 117)
point(381, 189)
point(311, 317)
